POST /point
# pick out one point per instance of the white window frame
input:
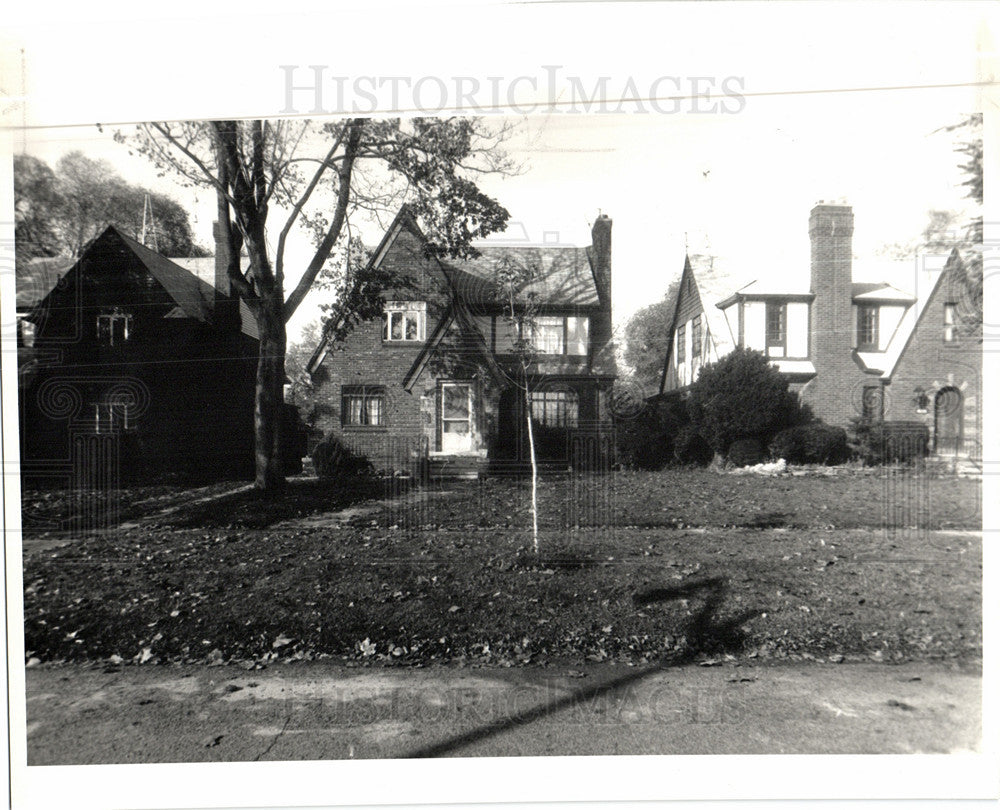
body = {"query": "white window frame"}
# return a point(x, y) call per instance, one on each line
point(112, 318)
point(867, 345)
point(548, 334)
point(366, 394)
point(776, 348)
point(413, 311)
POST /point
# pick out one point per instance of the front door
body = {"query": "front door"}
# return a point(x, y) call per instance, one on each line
point(456, 418)
point(948, 420)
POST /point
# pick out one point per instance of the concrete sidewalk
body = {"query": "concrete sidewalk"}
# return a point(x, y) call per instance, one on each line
point(314, 711)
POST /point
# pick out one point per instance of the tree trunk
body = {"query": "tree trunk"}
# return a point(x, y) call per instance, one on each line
point(269, 396)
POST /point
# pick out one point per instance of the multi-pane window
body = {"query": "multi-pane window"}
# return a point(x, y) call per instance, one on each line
point(113, 327)
point(555, 408)
point(868, 327)
point(696, 337)
point(776, 332)
point(405, 321)
point(682, 343)
point(547, 334)
point(950, 322)
point(362, 405)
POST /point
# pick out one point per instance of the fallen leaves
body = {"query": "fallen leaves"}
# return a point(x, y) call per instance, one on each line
point(453, 592)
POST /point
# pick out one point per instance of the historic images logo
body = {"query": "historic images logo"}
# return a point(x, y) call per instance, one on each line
point(313, 90)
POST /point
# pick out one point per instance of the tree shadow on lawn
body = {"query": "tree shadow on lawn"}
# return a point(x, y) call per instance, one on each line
point(251, 509)
point(705, 632)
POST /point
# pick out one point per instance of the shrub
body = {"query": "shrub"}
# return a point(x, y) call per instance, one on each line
point(890, 442)
point(332, 459)
point(814, 443)
point(690, 446)
point(745, 452)
point(646, 440)
point(742, 396)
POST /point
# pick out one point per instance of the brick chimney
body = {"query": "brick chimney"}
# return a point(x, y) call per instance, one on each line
point(226, 307)
point(831, 228)
point(221, 260)
point(600, 236)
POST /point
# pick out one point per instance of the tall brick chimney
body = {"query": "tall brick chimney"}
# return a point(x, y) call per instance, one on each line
point(221, 260)
point(831, 228)
point(225, 307)
point(600, 236)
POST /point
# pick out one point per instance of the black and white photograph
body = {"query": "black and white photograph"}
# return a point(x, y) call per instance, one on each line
point(585, 396)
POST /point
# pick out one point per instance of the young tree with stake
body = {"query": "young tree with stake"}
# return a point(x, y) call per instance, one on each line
point(521, 307)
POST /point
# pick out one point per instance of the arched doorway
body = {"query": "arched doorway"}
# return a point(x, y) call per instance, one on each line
point(948, 420)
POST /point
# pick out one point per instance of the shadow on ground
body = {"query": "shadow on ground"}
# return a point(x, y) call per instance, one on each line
point(706, 632)
point(251, 509)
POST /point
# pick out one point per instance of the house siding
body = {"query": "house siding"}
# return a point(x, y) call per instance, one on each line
point(689, 306)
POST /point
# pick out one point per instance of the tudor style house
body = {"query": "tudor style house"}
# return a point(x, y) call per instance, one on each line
point(131, 365)
point(439, 377)
point(849, 347)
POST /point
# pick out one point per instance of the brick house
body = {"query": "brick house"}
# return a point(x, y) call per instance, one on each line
point(436, 378)
point(850, 348)
point(129, 366)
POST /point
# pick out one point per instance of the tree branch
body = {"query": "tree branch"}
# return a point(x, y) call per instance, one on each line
point(354, 129)
point(279, 260)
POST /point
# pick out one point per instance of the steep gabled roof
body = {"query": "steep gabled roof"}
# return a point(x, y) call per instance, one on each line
point(192, 294)
point(561, 276)
point(194, 297)
point(457, 314)
point(933, 270)
point(204, 268)
point(710, 280)
point(712, 276)
point(36, 278)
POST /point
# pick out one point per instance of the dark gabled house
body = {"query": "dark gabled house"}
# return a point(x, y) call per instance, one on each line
point(437, 376)
point(130, 366)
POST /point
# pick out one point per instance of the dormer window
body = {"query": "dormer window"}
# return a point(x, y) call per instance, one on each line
point(868, 328)
point(113, 327)
point(405, 321)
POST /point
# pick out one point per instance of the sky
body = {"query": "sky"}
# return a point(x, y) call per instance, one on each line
point(736, 184)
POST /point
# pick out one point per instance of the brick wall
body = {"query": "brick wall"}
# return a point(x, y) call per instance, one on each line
point(931, 364)
point(363, 358)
